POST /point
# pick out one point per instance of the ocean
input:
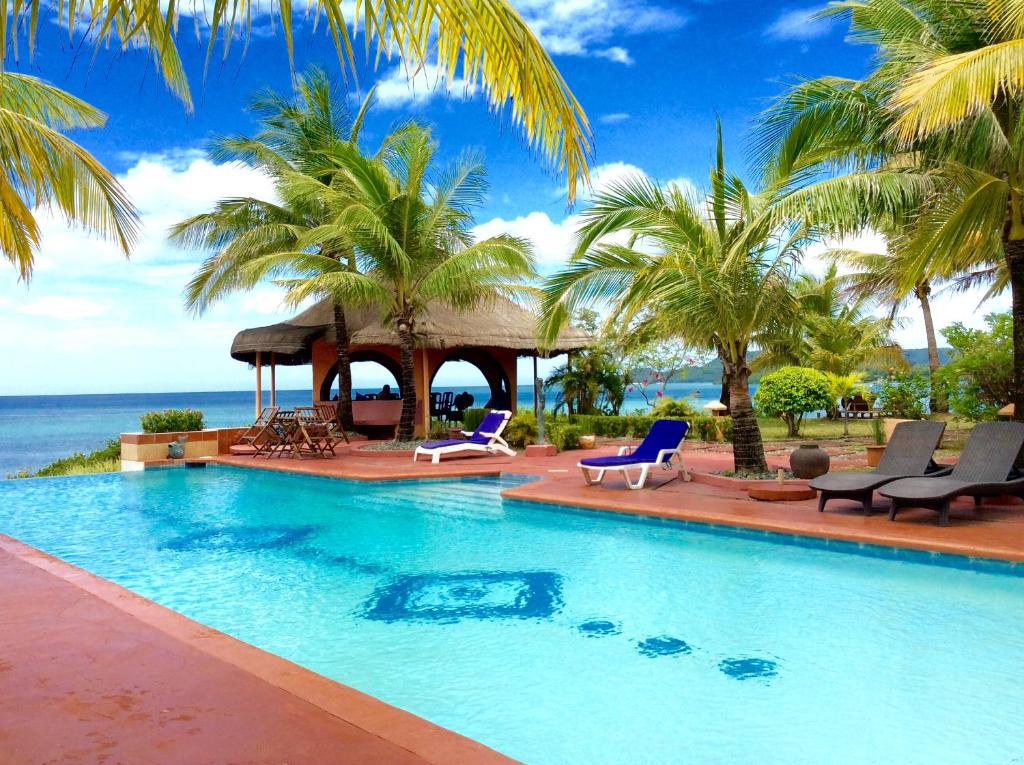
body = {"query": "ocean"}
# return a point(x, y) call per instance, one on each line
point(36, 430)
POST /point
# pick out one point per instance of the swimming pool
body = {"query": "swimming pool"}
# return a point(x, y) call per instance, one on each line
point(560, 637)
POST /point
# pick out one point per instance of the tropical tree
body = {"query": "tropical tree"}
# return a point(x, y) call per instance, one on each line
point(881, 277)
point(297, 135)
point(935, 128)
point(41, 168)
point(712, 270)
point(409, 223)
point(484, 43)
point(830, 333)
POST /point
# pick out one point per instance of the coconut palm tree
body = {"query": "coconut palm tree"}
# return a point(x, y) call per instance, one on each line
point(831, 332)
point(296, 136)
point(487, 44)
point(713, 271)
point(938, 118)
point(408, 222)
point(41, 168)
point(880, 276)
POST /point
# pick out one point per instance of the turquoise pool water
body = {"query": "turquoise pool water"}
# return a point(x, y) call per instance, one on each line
point(565, 637)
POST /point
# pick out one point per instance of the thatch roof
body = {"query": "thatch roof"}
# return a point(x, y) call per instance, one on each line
point(500, 324)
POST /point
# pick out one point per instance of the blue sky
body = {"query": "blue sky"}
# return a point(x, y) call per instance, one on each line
point(651, 75)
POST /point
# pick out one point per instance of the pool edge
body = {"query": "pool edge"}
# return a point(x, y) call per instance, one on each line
point(425, 739)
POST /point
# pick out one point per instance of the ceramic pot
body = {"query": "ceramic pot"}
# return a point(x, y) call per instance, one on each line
point(808, 461)
point(176, 449)
point(588, 442)
point(875, 452)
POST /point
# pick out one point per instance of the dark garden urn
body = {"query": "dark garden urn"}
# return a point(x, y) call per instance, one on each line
point(808, 461)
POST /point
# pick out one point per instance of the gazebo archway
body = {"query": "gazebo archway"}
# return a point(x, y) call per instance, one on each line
point(376, 357)
point(493, 371)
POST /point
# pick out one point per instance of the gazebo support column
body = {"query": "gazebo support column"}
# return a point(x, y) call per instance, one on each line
point(536, 401)
point(259, 383)
point(424, 395)
point(273, 380)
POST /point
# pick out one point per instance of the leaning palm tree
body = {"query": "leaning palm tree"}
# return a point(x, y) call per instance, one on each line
point(41, 168)
point(408, 222)
point(296, 136)
point(939, 119)
point(712, 271)
point(880, 276)
point(486, 43)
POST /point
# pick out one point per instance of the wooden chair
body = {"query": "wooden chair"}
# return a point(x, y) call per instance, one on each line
point(257, 432)
point(329, 415)
point(277, 434)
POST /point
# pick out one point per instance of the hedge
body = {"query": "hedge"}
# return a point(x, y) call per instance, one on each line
point(172, 421)
point(704, 427)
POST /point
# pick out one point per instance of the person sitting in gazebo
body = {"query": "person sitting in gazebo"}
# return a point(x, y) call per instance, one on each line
point(386, 394)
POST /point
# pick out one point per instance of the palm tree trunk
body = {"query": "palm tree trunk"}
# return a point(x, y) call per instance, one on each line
point(407, 422)
point(1014, 253)
point(724, 395)
point(747, 447)
point(937, 400)
point(344, 369)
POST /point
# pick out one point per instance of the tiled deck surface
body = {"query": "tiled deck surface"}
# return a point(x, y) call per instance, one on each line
point(90, 672)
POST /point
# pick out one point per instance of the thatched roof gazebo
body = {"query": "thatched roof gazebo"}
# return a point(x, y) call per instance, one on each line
point(490, 337)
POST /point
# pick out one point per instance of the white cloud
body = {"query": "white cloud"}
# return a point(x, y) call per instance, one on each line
point(121, 323)
point(553, 240)
point(585, 27)
point(396, 88)
point(617, 54)
point(614, 118)
point(799, 24)
point(63, 308)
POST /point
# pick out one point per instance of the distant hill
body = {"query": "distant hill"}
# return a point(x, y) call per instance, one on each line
point(712, 371)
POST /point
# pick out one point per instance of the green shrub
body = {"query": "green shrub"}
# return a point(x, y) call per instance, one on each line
point(979, 374)
point(566, 437)
point(672, 407)
point(521, 429)
point(791, 392)
point(904, 397)
point(472, 418)
point(106, 459)
point(172, 421)
point(711, 429)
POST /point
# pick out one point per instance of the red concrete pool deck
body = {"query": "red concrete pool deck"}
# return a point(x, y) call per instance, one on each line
point(92, 673)
point(995, 530)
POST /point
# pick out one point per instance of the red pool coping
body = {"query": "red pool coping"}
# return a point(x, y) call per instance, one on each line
point(92, 672)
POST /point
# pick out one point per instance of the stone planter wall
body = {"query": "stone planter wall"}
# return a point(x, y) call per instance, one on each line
point(137, 449)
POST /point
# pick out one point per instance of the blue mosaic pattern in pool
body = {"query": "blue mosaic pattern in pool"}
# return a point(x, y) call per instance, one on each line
point(241, 538)
point(561, 635)
point(663, 645)
point(749, 668)
point(467, 595)
point(599, 628)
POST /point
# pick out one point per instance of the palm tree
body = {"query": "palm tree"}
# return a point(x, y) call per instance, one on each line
point(40, 167)
point(485, 43)
point(831, 332)
point(408, 222)
point(713, 271)
point(934, 130)
point(296, 136)
point(880, 276)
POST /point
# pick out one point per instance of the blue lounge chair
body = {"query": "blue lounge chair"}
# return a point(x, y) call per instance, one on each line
point(486, 439)
point(663, 442)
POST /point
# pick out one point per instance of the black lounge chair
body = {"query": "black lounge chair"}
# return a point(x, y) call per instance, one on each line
point(909, 453)
point(987, 468)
